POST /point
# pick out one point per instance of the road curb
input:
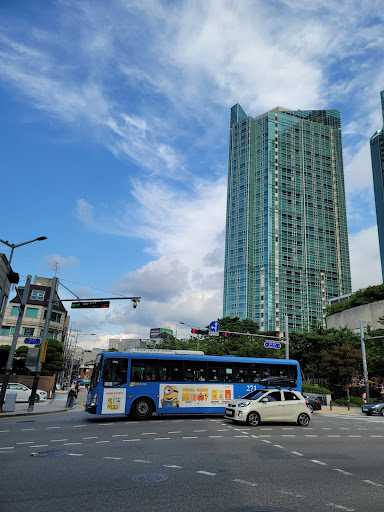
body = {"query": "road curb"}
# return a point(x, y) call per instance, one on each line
point(36, 413)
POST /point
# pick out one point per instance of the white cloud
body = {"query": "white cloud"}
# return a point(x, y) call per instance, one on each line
point(62, 261)
point(84, 212)
point(365, 258)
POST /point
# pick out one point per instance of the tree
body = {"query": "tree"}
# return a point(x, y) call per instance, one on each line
point(19, 360)
point(340, 363)
point(4, 353)
point(54, 358)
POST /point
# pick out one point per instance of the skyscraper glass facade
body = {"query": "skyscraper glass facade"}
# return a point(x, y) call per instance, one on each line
point(377, 157)
point(286, 249)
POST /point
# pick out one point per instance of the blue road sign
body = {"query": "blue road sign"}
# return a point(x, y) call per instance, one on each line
point(33, 341)
point(272, 344)
point(214, 326)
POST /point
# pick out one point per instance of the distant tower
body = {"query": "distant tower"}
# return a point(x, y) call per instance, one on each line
point(286, 248)
point(377, 157)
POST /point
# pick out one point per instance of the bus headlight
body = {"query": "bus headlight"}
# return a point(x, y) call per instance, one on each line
point(243, 404)
point(94, 400)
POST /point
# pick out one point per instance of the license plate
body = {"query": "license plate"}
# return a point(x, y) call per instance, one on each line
point(229, 412)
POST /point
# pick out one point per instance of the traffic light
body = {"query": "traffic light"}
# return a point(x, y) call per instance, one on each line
point(229, 334)
point(200, 331)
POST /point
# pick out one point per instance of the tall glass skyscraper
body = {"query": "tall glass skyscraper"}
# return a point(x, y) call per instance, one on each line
point(377, 156)
point(286, 249)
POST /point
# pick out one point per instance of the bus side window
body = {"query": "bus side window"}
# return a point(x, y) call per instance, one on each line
point(115, 372)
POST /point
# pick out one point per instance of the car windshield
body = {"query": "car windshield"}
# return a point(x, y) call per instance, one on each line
point(254, 395)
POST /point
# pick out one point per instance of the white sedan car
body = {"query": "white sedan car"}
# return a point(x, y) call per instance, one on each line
point(24, 392)
point(269, 405)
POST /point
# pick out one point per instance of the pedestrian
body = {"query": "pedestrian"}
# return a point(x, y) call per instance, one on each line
point(72, 394)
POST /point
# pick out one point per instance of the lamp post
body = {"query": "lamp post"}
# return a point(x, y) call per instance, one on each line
point(13, 247)
point(198, 336)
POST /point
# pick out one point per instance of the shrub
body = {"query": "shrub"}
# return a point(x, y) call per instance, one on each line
point(308, 388)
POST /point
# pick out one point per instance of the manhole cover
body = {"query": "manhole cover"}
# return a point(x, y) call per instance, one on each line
point(149, 478)
point(52, 453)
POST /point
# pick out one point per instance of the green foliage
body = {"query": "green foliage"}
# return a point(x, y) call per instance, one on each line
point(354, 402)
point(4, 352)
point(360, 297)
point(113, 350)
point(54, 358)
point(236, 325)
point(340, 363)
point(308, 388)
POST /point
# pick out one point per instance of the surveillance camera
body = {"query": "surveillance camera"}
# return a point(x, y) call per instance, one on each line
point(135, 302)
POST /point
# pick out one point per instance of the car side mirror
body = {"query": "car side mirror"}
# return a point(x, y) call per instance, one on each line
point(264, 400)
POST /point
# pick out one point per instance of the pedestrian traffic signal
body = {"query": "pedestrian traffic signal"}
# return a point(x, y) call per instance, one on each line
point(229, 334)
point(200, 331)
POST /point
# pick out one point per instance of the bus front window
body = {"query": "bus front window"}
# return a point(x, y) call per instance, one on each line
point(96, 371)
point(115, 372)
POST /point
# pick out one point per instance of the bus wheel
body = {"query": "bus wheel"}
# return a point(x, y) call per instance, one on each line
point(142, 409)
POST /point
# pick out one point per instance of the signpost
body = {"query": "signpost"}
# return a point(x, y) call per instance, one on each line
point(272, 344)
point(32, 341)
point(214, 326)
point(90, 304)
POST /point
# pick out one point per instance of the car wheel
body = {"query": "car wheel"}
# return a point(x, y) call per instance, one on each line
point(253, 419)
point(310, 407)
point(142, 409)
point(303, 420)
point(382, 412)
point(37, 398)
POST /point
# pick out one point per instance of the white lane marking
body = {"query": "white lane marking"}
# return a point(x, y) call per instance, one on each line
point(189, 437)
point(105, 424)
point(144, 461)
point(298, 453)
point(149, 433)
point(4, 430)
point(354, 436)
point(214, 436)
point(253, 435)
point(78, 426)
point(287, 428)
point(7, 448)
point(23, 429)
point(49, 428)
point(127, 440)
point(343, 472)
point(120, 435)
point(112, 458)
point(160, 438)
point(98, 442)
point(244, 432)
point(318, 462)
point(76, 454)
point(340, 507)
point(266, 429)
point(279, 446)
point(333, 435)
point(58, 440)
point(206, 473)
point(90, 437)
point(310, 435)
point(265, 441)
point(68, 444)
point(245, 482)
point(26, 442)
point(372, 483)
point(289, 493)
point(130, 422)
point(199, 431)
point(241, 436)
point(175, 432)
point(172, 466)
point(288, 435)
point(375, 436)
point(223, 429)
point(38, 445)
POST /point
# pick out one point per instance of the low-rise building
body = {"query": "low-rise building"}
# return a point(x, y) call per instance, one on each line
point(128, 343)
point(35, 314)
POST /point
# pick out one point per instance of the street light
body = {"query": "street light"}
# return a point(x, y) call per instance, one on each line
point(198, 337)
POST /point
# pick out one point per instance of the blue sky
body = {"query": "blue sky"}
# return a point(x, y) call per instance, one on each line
point(114, 138)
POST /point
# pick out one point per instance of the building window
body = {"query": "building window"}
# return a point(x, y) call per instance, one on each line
point(37, 295)
point(55, 317)
point(15, 311)
point(28, 331)
point(7, 331)
point(32, 312)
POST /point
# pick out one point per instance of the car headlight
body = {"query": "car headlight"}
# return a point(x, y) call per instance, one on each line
point(243, 404)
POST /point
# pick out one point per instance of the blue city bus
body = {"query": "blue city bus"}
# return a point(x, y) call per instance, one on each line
point(142, 382)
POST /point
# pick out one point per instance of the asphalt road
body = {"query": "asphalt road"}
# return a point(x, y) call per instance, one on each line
point(74, 461)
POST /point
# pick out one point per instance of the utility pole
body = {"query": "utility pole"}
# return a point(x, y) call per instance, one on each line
point(286, 337)
point(365, 370)
point(44, 338)
point(8, 368)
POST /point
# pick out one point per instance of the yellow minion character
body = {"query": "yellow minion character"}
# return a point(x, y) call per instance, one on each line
point(170, 398)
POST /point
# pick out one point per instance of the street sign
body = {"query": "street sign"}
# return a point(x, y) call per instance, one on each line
point(44, 351)
point(214, 326)
point(272, 344)
point(32, 341)
point(90, 304)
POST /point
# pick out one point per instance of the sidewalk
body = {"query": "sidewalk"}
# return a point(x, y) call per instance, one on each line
point(54, 405)
point(339, 409)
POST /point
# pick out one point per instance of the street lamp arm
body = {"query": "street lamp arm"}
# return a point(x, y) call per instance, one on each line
point(29, 242)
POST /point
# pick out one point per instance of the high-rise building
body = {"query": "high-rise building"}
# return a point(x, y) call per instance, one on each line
point(286, 249)
point(377, 157)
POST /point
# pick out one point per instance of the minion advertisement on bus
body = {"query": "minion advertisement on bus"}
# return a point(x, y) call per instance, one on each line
point(113, 401)
point(195, 395)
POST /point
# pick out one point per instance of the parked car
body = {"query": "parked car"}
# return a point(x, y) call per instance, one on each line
point(24, 392)
point(269, 405)
point(313, 403)
point(374, 407)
